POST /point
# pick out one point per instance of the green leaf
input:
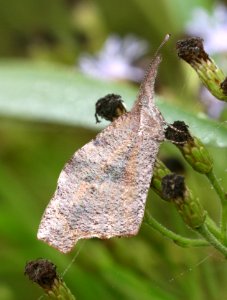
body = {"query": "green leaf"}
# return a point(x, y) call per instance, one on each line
point(53, 93)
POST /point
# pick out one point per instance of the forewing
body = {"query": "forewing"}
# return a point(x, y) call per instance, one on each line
point(102, 190)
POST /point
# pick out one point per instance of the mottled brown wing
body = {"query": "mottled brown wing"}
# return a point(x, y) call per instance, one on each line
point(102, 190)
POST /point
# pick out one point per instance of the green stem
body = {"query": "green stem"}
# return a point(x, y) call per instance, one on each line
point(213, 228)
point(222, 195)
point(176, 238)
point(204, 231)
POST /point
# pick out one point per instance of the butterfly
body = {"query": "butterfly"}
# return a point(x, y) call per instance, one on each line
point(102, 190)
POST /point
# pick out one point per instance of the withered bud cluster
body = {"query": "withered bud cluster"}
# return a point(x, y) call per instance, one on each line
point(193, 150)
point(173, 186)
point(109, 107)
point(190, 209)
point(178, 133)
point(43, 272)
point(191, 50)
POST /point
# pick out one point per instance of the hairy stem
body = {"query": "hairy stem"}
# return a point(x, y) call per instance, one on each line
point(204, 231)
point(222, 195)
point(213, 228)
point(176, 238)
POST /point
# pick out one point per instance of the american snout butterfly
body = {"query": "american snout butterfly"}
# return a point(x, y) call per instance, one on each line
point(102, 190)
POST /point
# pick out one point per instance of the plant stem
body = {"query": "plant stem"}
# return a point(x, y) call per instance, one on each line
point(176, 238)
point(204, 231)
point(222, 195)
point(213, 228)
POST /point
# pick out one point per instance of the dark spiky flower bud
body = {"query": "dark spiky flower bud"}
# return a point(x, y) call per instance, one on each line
point(192, 51)
point(109, 107)
point(190, 209)
point(43, 272)
point(173, 186)
point(191, 147)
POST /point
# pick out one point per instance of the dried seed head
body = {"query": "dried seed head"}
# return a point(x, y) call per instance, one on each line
point(173, 186)
point(41, 271)
point(109, 107)
point(178, 133)
point(189, 208)
point(190, 146)
point(191, 50)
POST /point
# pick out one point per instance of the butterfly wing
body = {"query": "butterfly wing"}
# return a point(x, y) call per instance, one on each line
point(102, 190)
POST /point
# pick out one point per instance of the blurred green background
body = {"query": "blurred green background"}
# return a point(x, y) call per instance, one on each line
point(47, 112)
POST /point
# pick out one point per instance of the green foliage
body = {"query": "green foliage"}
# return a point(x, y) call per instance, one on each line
point(47, 113)
point(54, 93)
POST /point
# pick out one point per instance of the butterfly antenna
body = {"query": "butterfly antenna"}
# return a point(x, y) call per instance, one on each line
point(166, 38)
point(151, 71)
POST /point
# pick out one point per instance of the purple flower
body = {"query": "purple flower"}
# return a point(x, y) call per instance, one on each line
point(212, 27)
point(115, 60)
point(213, 106)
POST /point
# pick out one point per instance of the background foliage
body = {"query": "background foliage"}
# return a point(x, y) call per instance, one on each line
point(47, 112)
